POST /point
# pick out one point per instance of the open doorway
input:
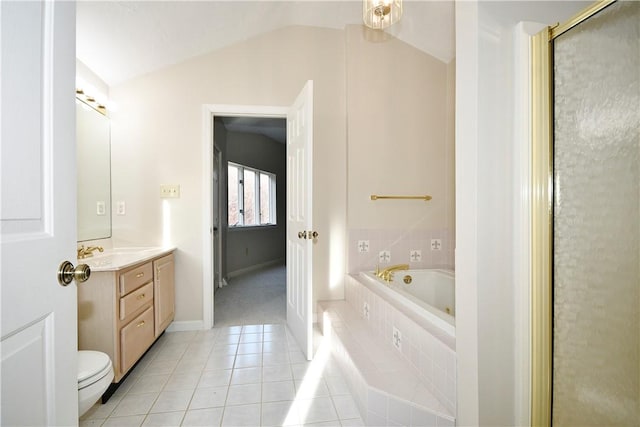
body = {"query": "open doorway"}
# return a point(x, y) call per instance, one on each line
point(213, 130)
point(298, 214)
point(252, 202)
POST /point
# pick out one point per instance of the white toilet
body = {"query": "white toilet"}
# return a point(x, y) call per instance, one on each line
point(95, 373)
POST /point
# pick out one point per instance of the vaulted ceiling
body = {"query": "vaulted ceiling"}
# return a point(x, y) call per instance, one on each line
point(119, 40)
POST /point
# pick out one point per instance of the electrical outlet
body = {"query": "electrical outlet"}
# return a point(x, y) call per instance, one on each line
point(436, 244)
point(365, 310)
point(396, 339)
point(100, 208)
point(169, 191)
point(384, 256)
point(415, 255)
point(363, 246)
point(121, 208)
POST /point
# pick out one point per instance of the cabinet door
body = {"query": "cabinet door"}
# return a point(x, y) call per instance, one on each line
point(136, 338)
point(164, 292)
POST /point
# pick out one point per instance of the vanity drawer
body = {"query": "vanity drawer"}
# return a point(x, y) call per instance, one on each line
point(135, 278)
point(132, 302)
point(135, 339)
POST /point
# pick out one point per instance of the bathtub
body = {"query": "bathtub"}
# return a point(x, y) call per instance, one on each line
point(428, 298)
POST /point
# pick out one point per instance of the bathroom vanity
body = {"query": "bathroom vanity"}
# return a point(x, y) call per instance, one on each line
point(126, 304)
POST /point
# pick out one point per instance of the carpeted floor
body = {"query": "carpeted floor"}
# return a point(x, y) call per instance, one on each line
point(257, 297)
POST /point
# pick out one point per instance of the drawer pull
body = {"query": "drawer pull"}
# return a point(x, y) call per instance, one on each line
point(139, 275)
point(141, 296)
point(140, 324)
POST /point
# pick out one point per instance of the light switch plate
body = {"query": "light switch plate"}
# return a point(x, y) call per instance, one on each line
point(170, 191)
point(121, 208)
point(100, 208)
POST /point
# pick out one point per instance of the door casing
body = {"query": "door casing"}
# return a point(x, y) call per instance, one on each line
point(210, 111)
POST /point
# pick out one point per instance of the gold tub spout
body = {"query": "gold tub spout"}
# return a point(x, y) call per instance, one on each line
point(387, 273)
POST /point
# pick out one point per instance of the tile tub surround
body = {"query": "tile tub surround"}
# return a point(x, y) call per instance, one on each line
point(384, 386)
point(430, 354)
point(400, 244)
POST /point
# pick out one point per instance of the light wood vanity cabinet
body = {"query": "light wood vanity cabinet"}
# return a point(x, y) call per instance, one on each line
point(121, 313)
point(164, 292)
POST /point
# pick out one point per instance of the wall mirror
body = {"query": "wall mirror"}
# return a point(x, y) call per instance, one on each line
point(94, 173)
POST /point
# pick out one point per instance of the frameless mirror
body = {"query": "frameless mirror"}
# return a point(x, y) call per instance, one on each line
point(94, 173)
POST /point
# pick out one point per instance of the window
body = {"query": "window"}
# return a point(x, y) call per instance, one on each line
point(252, 196)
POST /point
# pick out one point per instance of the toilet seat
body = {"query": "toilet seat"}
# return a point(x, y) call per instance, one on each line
point(92, 367)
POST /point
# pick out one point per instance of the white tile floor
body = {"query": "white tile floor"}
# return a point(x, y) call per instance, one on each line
point(252, 375)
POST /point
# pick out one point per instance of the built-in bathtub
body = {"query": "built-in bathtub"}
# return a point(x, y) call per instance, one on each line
point(426, 296)
point(412, 320)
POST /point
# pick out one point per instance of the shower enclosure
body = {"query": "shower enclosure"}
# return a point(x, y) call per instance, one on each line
point(586, 234)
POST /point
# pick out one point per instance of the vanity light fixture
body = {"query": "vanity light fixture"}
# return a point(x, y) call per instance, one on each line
point(380, 14)
point(90, 101)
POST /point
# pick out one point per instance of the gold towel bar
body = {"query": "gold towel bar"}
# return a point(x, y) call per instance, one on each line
point(425, 198)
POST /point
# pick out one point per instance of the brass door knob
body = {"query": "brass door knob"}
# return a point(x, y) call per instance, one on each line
point(313, 234)
point(302, 234)
point(67, 273)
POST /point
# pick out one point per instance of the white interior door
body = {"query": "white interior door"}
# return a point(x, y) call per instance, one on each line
point(299, 218)
point(38, 214)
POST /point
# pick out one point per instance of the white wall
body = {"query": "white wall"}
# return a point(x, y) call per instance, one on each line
point(492, 372)
point(400, 142)
point(157, 134)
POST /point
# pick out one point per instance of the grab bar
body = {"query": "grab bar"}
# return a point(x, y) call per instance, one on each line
point(425, 198)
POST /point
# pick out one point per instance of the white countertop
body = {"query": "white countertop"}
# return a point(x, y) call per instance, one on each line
point(119, 258)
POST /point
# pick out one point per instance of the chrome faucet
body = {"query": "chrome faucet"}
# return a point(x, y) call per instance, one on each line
point(88, 251)
point(387, 273)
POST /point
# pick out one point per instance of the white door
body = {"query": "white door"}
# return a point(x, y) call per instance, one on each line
point(38, 214)
point(299, 220)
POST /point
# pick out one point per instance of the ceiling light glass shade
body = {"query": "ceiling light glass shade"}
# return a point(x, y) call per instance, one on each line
point(380, 14)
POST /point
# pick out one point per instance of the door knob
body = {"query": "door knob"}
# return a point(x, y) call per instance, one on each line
point(67, 273)
point(302, 234)
point(313, 234)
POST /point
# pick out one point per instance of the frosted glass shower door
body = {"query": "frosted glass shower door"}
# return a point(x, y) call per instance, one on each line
point(596, 226)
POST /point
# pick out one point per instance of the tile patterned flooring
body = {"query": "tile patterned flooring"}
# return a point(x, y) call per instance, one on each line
point(251, 375)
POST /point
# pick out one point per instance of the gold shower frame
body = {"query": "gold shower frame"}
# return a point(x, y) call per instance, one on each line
point(541, 280)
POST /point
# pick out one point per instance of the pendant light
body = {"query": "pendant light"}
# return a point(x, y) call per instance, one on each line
point(380, 14)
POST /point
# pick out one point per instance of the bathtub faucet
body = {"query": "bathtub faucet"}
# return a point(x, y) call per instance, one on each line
point(387, 273)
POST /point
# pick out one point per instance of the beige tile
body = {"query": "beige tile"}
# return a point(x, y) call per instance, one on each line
point(284, 413)
point(317, 410)
point(246, 376)
point(169, 401)
point(203, 417)
point(244, 415)
point(129, 421)
point(149, 384)
point(217, 378)
point(137, 404)
point(179, 381)
point(244, 394)
point(165, 419)
point(278, 391)
point(210, 397)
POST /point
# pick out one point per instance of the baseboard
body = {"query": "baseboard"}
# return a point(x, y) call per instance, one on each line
point(186, 325)
point(254, 267)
